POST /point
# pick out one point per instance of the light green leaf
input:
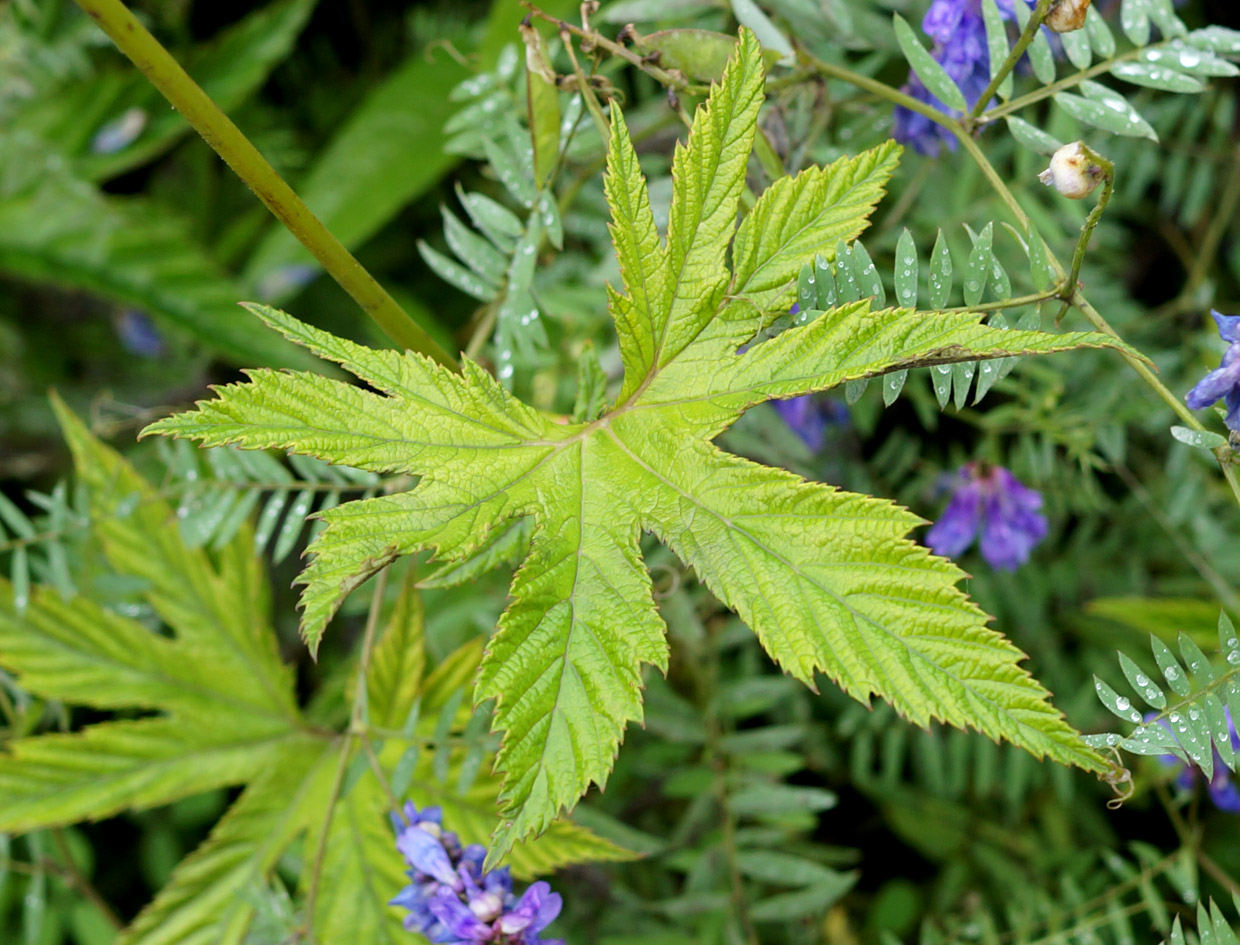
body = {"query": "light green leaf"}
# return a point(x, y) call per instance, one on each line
point(1179, 54)
point(205, 901)
point(398, 661)
point(1200, 439)
point(941, 280)
point(217, 604)
point(977, 267)
point(1156, 77)
point(1032, 137)
point(1106, 109)
point(507, 546)
point(59, 779)
point(827, 579)
point(1100, 36)
point(591, 386)
point(799, 217)
point(542, 102)
point(906, 271)
point(997, 44)
point(750, 15)
point(1217, 39)
point(699, 54)
point(933, 76)
point(1039, 52)
point(361, 870)
point(1134, 17)
point(1077, 48)
point(709, 173)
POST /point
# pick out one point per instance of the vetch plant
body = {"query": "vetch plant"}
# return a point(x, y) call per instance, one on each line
point(1221, 785)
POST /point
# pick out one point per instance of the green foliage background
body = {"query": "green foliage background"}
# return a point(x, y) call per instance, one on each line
point(157, 702)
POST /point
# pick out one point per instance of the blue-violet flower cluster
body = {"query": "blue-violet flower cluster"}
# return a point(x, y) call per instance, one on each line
point(991, 499)
point(959, 35)
point(451, 900)
point(1223, 382)
point(1223, 790)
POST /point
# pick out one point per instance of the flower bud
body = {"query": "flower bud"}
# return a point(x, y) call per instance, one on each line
point(1074, 172)
point(1067, 15)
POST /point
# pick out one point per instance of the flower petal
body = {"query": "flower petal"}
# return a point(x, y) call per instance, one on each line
point(954, 530)
point(1213, 387)
point(457, 918)
point(426, 854)
point(1228, 326)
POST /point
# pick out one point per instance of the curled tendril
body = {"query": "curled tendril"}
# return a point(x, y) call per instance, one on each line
point(1120, 780)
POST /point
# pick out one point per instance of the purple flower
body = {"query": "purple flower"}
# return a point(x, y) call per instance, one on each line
point(959, 35)
point(808, 416)
point(450, 898)
point(1223, 790)
point(990, 498)
point(1223, 382)
point(138, 335)
point(811, 417)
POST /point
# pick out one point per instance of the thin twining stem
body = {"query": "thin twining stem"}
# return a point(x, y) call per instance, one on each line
point(1026, 37)
point(1068, 292)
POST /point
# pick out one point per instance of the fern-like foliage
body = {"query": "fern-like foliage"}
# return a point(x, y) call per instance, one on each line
point(219, 710)
point(1101, 897)
point(1213, 927)
point(1190, 722)
point(496, 251)
point(852, 275)
point(1177, 60)
point(827, 579)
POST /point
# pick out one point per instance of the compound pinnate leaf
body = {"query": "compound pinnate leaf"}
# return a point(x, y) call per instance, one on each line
point(827, 579)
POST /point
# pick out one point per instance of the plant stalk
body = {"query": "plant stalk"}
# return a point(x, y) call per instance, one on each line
point(1026, 37)
point(185, 95)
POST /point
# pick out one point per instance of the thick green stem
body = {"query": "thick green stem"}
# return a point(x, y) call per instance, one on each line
point(1026, 37)
point(133, 39)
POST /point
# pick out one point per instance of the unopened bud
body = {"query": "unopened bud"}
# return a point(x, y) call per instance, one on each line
point(1074, 171)
point(1067, 15)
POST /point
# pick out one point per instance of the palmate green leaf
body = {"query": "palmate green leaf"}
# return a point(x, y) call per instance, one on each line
point(827, 579)
point(60, 779)
point(228, 717)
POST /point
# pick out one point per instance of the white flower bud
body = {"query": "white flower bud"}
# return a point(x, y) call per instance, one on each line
point(1067, 15)
point(1074, 171)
